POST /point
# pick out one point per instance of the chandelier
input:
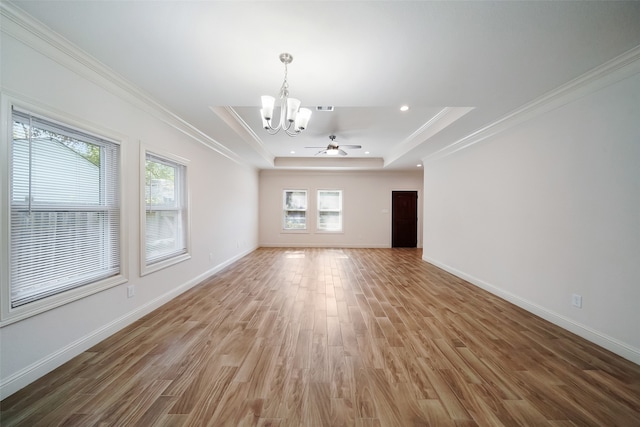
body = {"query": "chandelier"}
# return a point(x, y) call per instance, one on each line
point(293, 119)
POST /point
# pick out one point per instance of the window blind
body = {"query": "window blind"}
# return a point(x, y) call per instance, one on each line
point(330, 210)
point(65, 209)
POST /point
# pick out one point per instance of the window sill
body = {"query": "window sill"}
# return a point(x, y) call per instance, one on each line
point(11, 315)
point(151, 268)
point(294, 231)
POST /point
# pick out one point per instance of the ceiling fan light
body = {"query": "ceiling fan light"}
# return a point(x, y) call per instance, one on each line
point(333, 152)
point(303, 118)
point(293, 105)
point(267, 107)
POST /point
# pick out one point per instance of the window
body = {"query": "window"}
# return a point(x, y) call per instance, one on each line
point(295, 209)
point(165, 214)
point(64, 214)
point(330, 210)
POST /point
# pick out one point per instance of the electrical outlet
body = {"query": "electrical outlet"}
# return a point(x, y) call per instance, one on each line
point(131, 291)
point(576, 300)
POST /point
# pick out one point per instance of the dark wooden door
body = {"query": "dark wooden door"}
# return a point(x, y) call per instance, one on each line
point(404, 219)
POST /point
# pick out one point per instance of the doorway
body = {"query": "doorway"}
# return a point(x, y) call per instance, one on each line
point(404, 219)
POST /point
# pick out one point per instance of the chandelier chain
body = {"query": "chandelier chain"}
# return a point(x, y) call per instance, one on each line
point(284, 90)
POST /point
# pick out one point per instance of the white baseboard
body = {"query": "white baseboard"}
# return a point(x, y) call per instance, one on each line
point(322, 245)
point(616, 346)
point(27, 375)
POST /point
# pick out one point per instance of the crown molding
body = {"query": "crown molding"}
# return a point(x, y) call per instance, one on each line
point(615, 70)
point(24, 28)
point(437, 123)
point(242, 129)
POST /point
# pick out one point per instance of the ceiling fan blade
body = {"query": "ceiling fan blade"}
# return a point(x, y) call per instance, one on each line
point(350, 146)
point(321, 152)
point(342, 152)
point(316, 147)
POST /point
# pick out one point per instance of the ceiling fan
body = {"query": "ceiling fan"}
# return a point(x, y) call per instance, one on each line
point(334, 149)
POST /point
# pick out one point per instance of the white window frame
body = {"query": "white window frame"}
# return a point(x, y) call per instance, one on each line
point(319, 228)
point(183, 211)
point(9, 314)
point(285, 209)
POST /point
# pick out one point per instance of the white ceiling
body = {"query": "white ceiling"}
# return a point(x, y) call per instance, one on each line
point(459, 65)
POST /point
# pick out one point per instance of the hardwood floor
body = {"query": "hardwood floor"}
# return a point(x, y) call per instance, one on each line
point(335, 337)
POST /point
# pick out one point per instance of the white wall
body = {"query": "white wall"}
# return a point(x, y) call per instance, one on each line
point(223, 217)
point(366, 206)
point(547, 209)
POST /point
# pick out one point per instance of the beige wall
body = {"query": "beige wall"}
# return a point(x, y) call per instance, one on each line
point(366, 206)
point(548, 209)
point(41, 78)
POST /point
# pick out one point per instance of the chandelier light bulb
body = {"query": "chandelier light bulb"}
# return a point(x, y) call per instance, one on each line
point(267, 106)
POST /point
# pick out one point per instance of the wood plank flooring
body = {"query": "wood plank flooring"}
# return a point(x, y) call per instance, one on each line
point(335, 337)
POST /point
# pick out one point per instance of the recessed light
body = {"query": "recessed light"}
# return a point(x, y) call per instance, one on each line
point(292, 152)
point(404, 108)
point(419, 165)
point(366, 152)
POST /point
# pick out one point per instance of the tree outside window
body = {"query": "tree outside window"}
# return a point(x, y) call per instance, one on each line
point(165, 209)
